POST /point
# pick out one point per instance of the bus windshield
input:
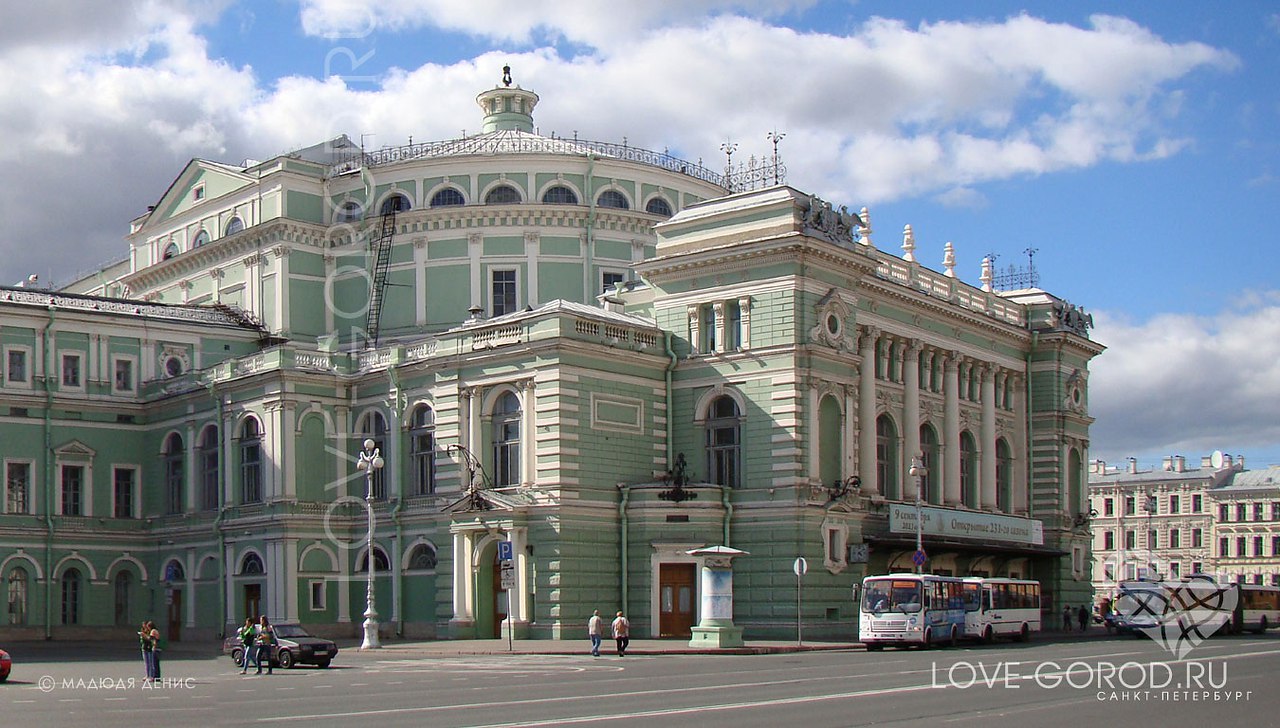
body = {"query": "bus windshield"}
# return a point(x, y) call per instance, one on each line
point(885, 595)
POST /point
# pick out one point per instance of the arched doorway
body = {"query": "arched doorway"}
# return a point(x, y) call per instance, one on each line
point(491, 598)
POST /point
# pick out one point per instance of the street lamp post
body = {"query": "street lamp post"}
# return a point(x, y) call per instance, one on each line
point(370, 460)
point(918, 471)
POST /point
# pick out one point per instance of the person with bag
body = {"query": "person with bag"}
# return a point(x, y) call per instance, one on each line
point(156, 646)
point(148, 649)
point(248, 634)
point(265, 640)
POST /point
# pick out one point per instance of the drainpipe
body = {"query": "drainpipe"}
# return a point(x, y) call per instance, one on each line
point(396, 580)
point(47, 337)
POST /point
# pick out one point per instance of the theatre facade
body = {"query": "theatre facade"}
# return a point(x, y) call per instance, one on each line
point(605, 356)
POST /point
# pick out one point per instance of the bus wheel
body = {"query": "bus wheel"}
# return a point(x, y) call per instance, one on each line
point(874, 648)
point(928, 639)
point(955, 637)
point(1262, 626)
point(987, 636)
point(1024, 634)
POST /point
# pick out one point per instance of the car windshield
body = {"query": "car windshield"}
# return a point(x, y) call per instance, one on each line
point(884, 595)
point(290, 630)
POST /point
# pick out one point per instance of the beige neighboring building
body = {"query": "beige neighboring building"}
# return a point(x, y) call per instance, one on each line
point(1156, 523)
point(1246, 538)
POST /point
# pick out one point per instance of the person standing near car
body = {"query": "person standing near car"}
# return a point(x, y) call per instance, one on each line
point(248, 634)
point(265, 638)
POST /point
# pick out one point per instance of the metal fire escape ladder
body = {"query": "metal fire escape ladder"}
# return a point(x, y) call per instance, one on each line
point(380, 247)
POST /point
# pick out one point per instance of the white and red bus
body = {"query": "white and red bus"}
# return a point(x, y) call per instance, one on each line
point(1001, 607)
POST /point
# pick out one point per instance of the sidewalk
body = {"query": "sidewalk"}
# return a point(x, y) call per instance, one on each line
point(447, 648)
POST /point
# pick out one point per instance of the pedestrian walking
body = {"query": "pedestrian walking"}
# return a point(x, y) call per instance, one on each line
point(1066, 618)
point(1083, 614)
point(622, 633)
point(264, 640)
point(248, 634)
point(156, 645)
point(595, 630)
point(148, 649)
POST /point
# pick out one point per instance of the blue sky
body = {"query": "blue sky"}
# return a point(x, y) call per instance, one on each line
point(1133, 145)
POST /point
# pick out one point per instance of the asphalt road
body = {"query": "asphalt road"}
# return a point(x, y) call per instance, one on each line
point(1102, 682)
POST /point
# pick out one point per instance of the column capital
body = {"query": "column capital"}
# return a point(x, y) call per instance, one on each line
point(869, 335)
point(950, 361)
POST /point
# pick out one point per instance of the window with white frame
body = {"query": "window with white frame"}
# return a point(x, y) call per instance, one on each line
point(317, 591)
point(503, 294)
point(611, 278)
point(17, 483)
point(250, 462)
point(174, 474)
point(16, 371)
point(422, 450)
point(17, 596)
point(72, 378)
point(209, 469)
point(506, 440)
point(124, 492)
point(723, 442)
point(72, 489)
point(123, 381)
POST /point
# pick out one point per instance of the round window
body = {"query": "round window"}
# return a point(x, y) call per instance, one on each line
point(833, 324)
point(173, 366)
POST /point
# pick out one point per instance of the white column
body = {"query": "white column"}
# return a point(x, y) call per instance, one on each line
point(744, 321)
point(951, 438)
point(288, 457)
point(911, 409)
point(867, 411)
point(1021, 500)
point(475, 246)
point(850, 435)
point(282, 289)
point(520, 604)
point(229, 592)
point(291, 579)
point(190, 472)
point(330, 270)
point(528, 435)
point(988, 438)
point(531, 246)
point(695, 322)
point(717, 310)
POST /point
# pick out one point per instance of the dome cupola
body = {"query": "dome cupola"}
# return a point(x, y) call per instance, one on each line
point(507, 107)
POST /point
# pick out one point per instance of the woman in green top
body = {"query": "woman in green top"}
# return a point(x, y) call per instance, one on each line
point(247, 634)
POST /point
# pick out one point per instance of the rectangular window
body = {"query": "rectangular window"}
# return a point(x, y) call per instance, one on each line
point(611, 278)
point(251, 473)
point(17, 480)
point(317, 591)
point(1197, 567)
point(1128, 505)
point(1153, 540)
point(123, 480)
point(1175, 538)
point(197, 193)
point(1257, 511)
point(1241, 512)
point(209, 481)
point(1197, 503)
point(1108, 540)
point(1175, 569)
point(503, 292)
point(174, 483)
point(1197, 538)
point(1175, 504)
point(1257, 545)
point(1275, 545)
point(732, 326)
point(71, 371)
point(124, 375)
point(72, 490)
point(1108, 507)
point(1275, 511)
point(16, 366)
point(708, 324)
point(1224, 546)
point(1130, 540)
point(1224, 514)
point(1240, 546)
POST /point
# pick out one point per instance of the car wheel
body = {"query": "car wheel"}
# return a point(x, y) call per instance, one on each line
point(987, 635)
point(285, 659)
point(1024, 634)
point(237, 655)
point(322, 664)
point(874, 648)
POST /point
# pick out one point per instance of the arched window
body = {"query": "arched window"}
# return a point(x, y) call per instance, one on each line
point(209, 470)
point(658, 206)
point(968, 470)
point(17, 596)
point(250, 462)
point(422, 450)
point(71, 582)
point(395, 203)
point(252, 564)
point(502, 195)
point(170, 251)
point(422, 558)
point(724, 437)
point(373, 426)
point(506, 440)
point(202, 238)
point(447, 197)
point(349, 211)
point(123, 594)
point(614, 199)
point(932, 461)
point(380, 562)
point(173, 571)
point(174, 474)
point(1004, 476)
point(234, 225)
point(887, 457)
point(560, 195)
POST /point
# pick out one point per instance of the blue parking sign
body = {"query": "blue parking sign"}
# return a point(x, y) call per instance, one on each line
point(504, 550)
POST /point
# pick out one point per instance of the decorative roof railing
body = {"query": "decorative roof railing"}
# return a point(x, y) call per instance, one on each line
point(72, 301)
point(757, 173)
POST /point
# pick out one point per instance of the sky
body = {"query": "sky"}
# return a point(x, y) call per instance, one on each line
point(1129, 149)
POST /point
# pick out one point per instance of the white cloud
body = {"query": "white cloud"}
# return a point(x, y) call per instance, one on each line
point(1181, 384)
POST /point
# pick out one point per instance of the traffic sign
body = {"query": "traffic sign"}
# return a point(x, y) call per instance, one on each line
point(919, 557)
point(508, 575)
point(504, 550)
point(800, 566)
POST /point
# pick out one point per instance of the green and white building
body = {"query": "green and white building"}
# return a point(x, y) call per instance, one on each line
point(606, 356)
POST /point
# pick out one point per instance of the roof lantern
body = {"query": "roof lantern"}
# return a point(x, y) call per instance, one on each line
point(507, 107)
